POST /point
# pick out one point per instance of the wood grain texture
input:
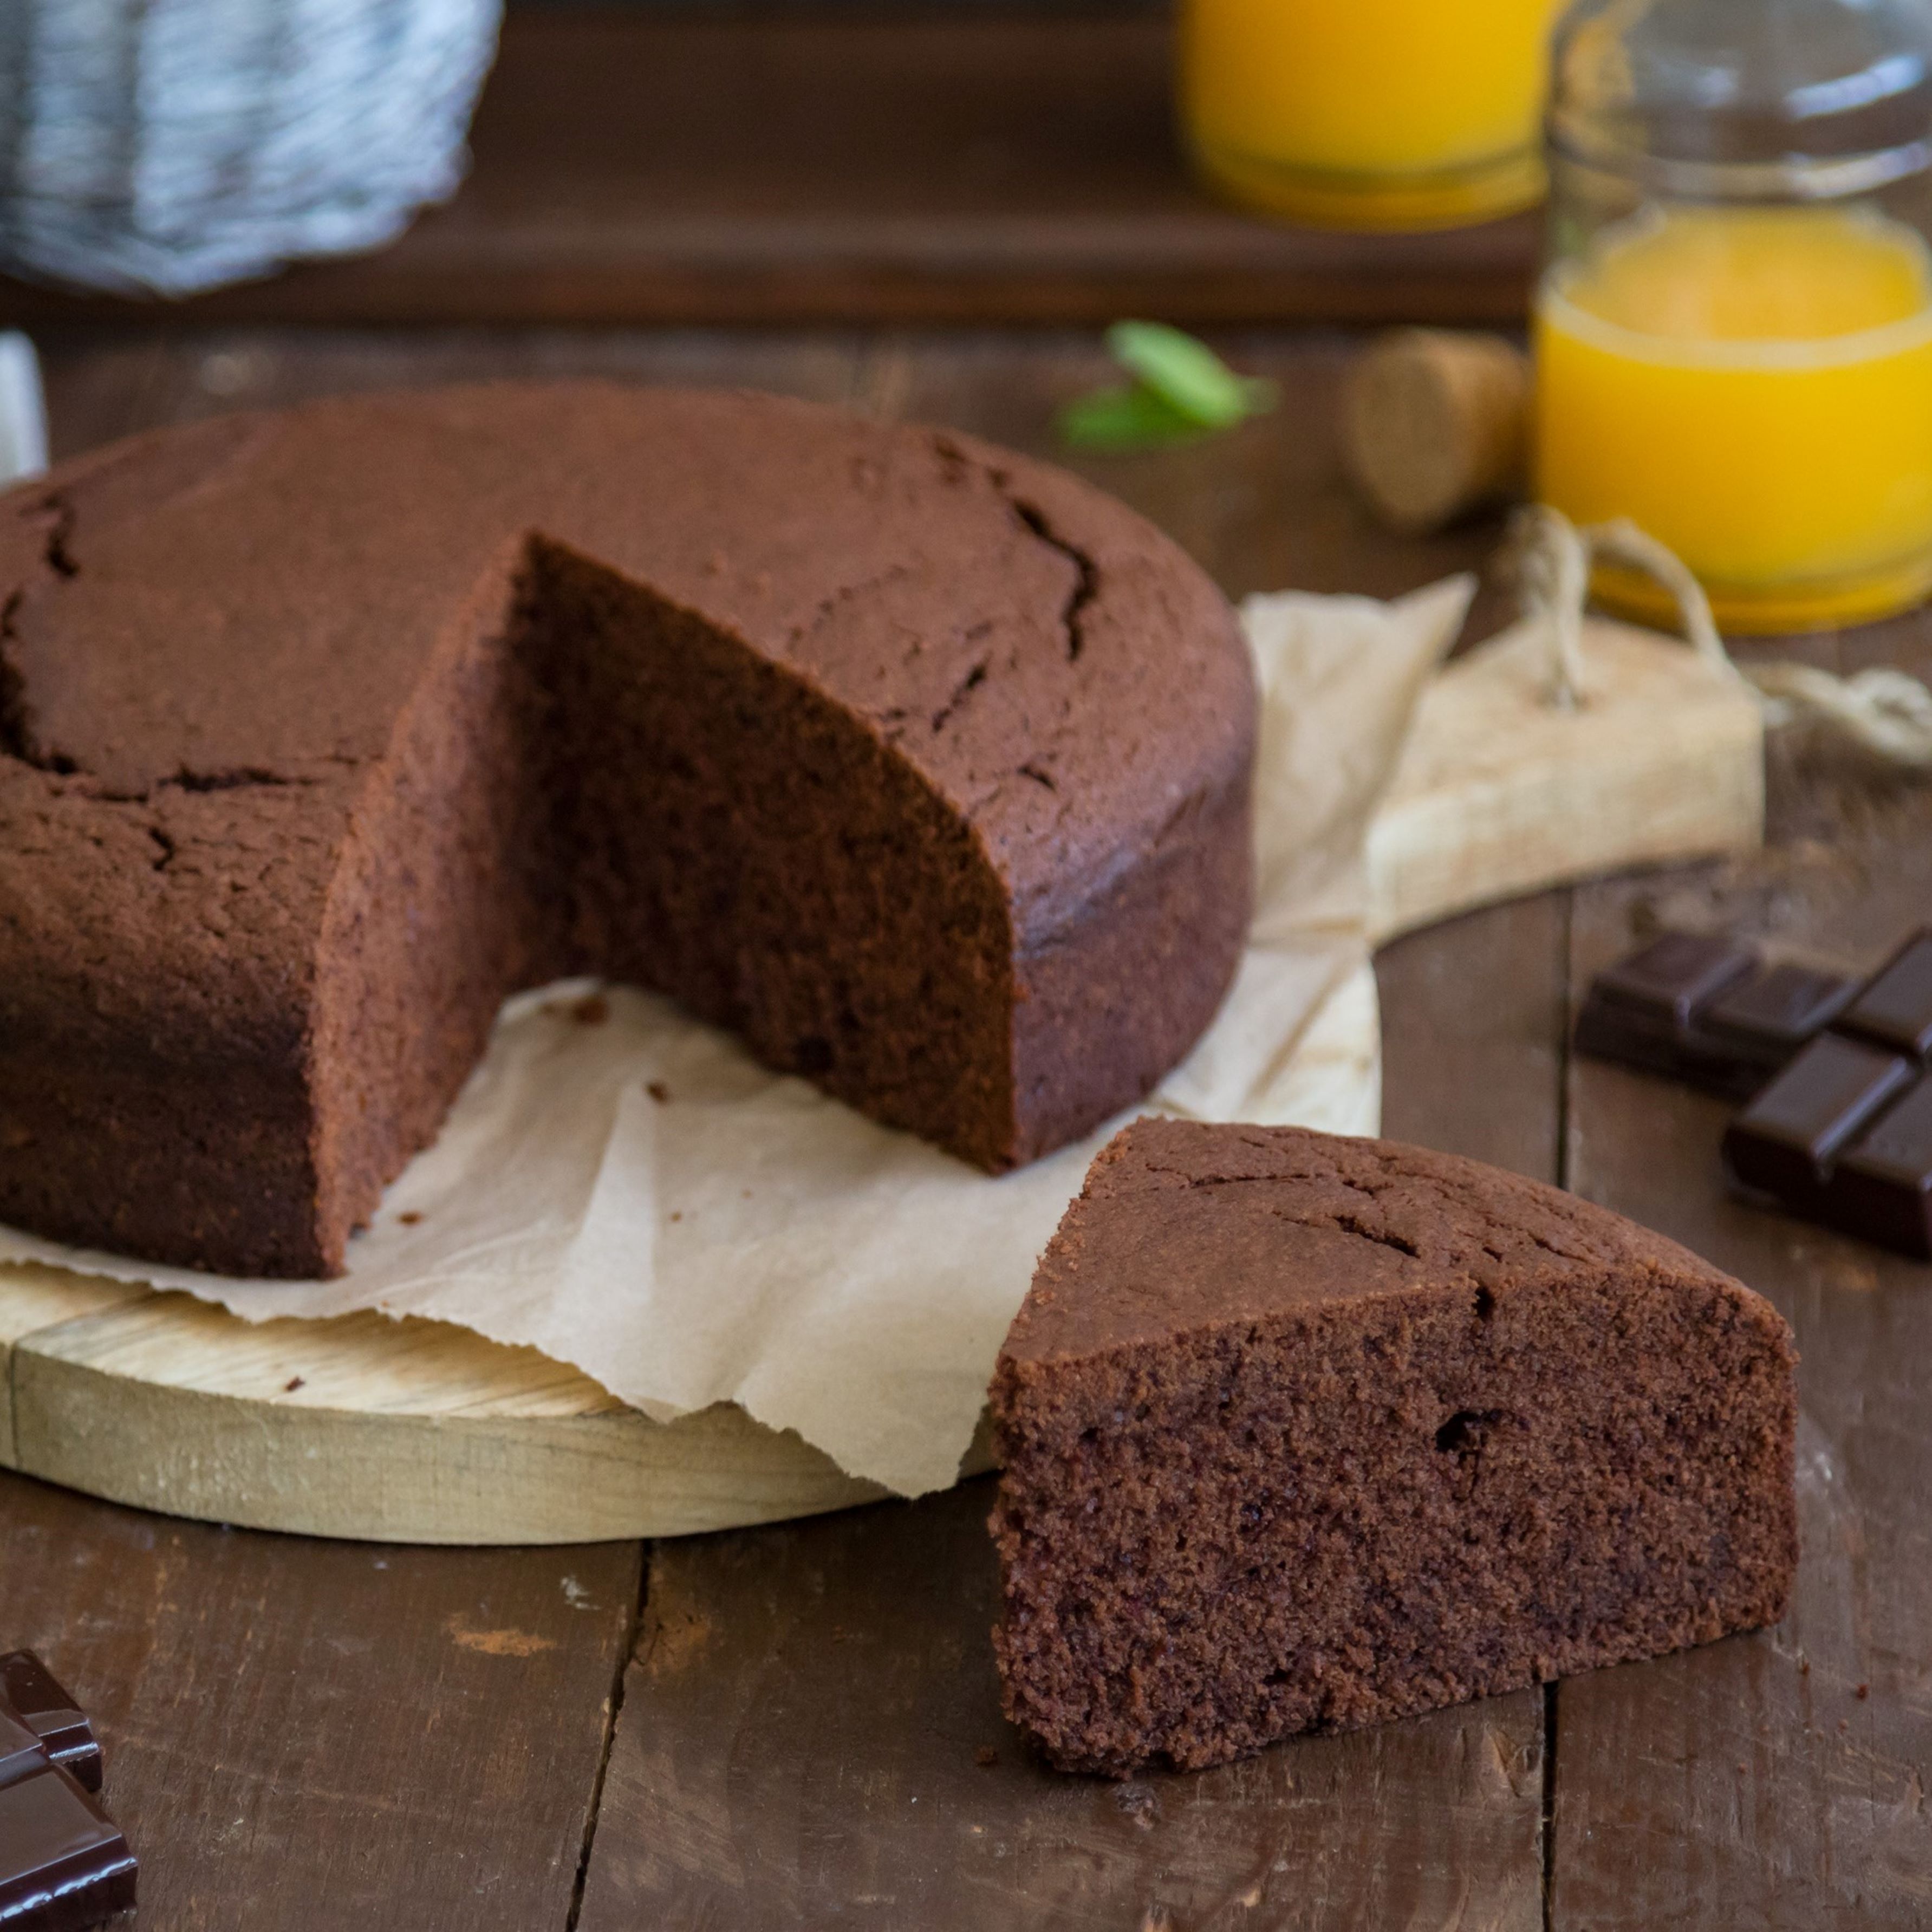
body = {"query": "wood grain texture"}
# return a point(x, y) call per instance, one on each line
point(1779, 1779)
point(309, 1737)
point(637, 168)
point(32, 1301)
point(395, 1431)
point(757, 1771)
point(1474, 1013)
point(800, 1745)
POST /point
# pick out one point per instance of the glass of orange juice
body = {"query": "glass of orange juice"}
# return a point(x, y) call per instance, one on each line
point(1733, 335)
point(1371, 114)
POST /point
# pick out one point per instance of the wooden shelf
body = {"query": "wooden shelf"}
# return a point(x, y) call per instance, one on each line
point(630, 169)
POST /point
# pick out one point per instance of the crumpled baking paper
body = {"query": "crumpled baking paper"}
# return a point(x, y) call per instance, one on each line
point(626, 1191)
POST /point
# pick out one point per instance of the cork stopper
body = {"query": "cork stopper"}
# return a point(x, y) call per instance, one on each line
point(1435, 423)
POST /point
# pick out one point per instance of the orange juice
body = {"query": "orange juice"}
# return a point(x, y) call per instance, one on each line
point(1367, 113)
point(1754, 387)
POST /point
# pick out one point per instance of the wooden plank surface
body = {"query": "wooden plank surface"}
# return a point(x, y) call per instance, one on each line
point(797, 1688)
point(633, 167)
point(805, 1740)
point(307, 1734)
point(1777, 1781)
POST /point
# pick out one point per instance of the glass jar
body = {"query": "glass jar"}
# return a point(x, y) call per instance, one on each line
point(1369, 114)
point(1733, 332)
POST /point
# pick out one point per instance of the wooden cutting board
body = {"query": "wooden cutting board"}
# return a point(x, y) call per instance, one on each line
point(400, 1432)
point(420, 1432)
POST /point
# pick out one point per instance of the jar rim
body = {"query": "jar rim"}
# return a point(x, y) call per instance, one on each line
point(1788, 177)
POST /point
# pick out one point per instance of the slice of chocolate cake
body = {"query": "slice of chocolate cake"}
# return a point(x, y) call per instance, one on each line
point(1300, 1433)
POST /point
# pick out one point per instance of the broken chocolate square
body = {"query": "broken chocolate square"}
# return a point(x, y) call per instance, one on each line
point(1784, 1143)
point(1701, 1010)
point(1774, 1015)
point(1881, 1190)
point(51, 1714)
point(21, 1752)
point(1895, 1009)
point(64, 1864)
point(1674, 976)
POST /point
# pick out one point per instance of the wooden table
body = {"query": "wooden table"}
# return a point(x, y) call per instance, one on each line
point(798, 1727)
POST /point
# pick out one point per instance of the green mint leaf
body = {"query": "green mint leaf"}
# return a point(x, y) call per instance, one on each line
point(1126, 418)
point(1187, 374)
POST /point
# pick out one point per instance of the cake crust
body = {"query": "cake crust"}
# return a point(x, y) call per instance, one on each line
point(922, 766)
point(1301, 1433)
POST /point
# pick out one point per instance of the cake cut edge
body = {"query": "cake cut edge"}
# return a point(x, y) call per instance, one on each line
point(1413, 1431)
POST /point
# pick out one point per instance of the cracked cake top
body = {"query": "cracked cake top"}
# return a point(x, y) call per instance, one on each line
point(249, 602)
point(1183, 1226)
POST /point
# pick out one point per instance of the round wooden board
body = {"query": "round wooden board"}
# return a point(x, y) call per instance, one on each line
point(395, 1431)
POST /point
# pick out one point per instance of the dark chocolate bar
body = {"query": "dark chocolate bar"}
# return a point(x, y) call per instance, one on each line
point(1772, 1016)
point(1785, 1142)
point(1895, 1009)
point(21, 1752)
point(1840, 1130)
point(51, 1714)
point(1882, 1189)
point(1707, 1012)
point(64, 1864)
point(1675, 975)
point(1844, 1136)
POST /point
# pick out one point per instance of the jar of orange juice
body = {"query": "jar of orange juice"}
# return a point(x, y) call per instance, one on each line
point(1371, 114)
point(1733, 334)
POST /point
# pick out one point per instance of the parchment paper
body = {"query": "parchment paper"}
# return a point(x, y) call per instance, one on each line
point(626, 1191)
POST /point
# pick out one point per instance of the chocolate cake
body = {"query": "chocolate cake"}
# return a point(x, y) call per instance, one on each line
point(923, 767)
point(1300, 1433)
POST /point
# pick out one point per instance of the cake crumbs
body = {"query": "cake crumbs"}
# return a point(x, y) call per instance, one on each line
point(1862, 1692)
point(410, 1217)
point(592, 1010)
point(658, 1092)
point(986, 1756)
point(293, 1383)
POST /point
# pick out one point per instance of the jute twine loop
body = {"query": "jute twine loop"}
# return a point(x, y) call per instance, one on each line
point(1883, 711)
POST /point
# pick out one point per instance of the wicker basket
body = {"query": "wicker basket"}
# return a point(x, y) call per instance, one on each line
point(168, 146)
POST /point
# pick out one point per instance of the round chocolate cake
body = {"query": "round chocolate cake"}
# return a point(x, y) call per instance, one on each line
point(922, 767)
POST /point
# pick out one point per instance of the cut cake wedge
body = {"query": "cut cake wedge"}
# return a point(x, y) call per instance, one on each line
point(1302, 1433)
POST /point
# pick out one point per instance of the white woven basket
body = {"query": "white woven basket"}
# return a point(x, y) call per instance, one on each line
point(168, 146)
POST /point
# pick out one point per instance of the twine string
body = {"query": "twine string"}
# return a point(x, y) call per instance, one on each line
point(1886, 712)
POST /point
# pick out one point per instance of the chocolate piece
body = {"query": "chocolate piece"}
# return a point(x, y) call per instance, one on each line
point(21, 1752)
point(1829, 1139)
point(1784, 1143)
point(1300, 1432)
point(1676, 975)
point(51, 1714)
point(1774, 1014)
point(1700, 1011)
point(64, 1864)
point(921, 767)
point(1881, 1190)
point(1734, 1068)
point(1895, 1009)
